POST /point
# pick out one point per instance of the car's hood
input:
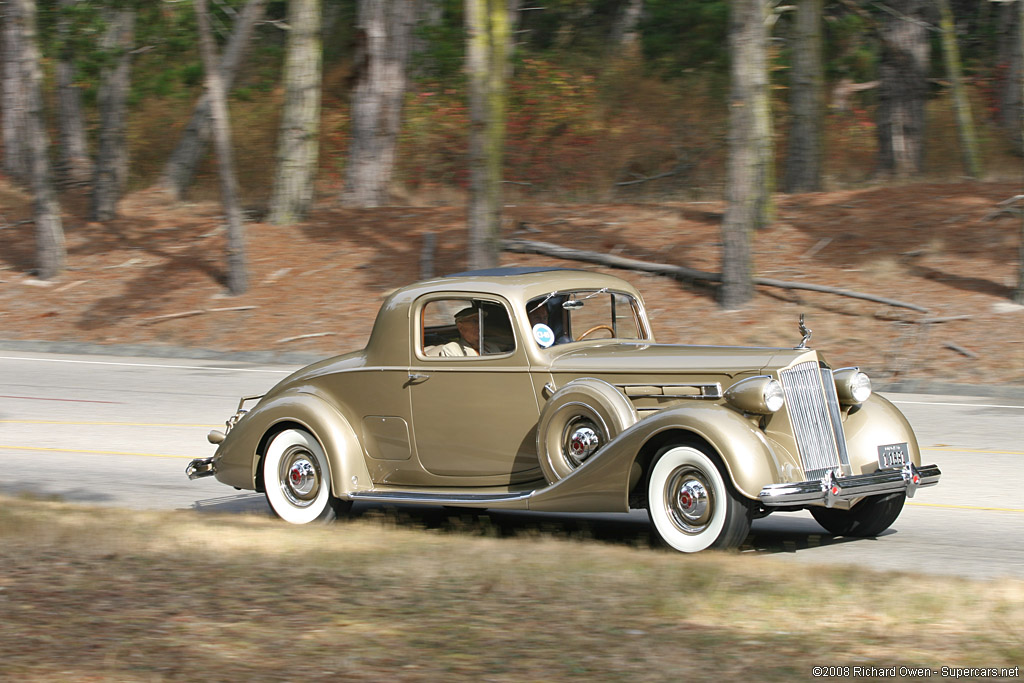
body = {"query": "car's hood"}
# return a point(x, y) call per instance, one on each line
point(673, 358)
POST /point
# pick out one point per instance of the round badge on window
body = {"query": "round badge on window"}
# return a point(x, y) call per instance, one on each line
point(543, 334)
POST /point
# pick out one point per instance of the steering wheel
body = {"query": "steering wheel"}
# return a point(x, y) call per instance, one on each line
point(595, 328)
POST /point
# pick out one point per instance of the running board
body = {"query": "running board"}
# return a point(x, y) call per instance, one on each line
point(467, 499)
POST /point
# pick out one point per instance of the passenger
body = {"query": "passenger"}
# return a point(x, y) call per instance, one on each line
point(468, 343)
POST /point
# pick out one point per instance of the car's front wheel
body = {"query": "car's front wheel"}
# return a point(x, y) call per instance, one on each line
point(869, 517)
point(297, 479)
point(691, 503)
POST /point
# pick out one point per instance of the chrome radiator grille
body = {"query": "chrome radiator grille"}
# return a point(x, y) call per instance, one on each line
point(817, 424)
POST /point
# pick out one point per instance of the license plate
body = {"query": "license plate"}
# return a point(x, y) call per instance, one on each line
point(893, 455)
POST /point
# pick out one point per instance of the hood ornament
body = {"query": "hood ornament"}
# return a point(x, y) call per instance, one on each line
point(805, 332)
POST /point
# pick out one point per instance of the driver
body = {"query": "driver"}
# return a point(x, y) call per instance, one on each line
point(539, 315)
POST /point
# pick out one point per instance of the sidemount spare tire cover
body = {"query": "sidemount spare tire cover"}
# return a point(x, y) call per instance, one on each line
point(577, 421)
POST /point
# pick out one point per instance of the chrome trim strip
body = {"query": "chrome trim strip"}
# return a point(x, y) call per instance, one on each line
point(709, 391)
point(438, 498)
point(830, 488)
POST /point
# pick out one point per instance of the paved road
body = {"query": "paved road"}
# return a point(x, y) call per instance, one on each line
point(118, 431)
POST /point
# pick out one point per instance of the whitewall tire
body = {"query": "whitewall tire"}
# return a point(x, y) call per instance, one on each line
point(297, 479)
point(691, 504)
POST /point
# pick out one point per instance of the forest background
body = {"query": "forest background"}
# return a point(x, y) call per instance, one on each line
point(617, 138)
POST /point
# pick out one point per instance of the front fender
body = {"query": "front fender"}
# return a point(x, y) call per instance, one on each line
point(749, 458)
point(238, 456)
point(875, 423)
point(602, 483)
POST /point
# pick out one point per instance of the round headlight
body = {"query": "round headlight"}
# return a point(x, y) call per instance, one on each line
point(860, 387)
point(852, 385)
point(761, 395)
point(774, 396)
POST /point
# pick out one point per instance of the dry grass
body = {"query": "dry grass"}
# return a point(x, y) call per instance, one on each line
point(109, 595)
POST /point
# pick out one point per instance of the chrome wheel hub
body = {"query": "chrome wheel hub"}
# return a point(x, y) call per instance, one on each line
point(582, 440)
point(689, 500)
point(300, 477)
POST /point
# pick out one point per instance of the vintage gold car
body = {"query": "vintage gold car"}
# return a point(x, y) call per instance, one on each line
point(543, 389)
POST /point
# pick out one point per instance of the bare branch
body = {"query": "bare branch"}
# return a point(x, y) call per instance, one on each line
point(188, 314)
point(304, 336)
point(681, 272)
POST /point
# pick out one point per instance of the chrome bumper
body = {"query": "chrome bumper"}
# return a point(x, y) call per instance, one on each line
point(830, 488)
point(201, 467)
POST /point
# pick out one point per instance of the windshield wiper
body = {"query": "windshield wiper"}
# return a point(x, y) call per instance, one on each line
point(578, 303)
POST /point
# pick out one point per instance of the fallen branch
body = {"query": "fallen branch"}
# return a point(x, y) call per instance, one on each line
point(944, 319)
point(70, 285)
point(16, 223)
point(681, 166)
point(822, 243)
point(304, 336)
point(188, 314)
point(766, 282)
point(681, 272)
point(522, 246)
point(961, 350)
point(1005, 206)
point(895, 318)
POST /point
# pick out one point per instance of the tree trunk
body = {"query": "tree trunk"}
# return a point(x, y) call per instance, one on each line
point(961, 103)
point(298, 138)
point(111, 170)
point(1018, 296)
point(487, 23)
point(50, 250)
point(181, 166)
point(1009, 69)
point(746, 168)
point(806, 101)
point(429, 16)
point(237, 281)
point(384, 33)
point(902, 91)
point(626, 31)
point(75, 166)
point(15, 97)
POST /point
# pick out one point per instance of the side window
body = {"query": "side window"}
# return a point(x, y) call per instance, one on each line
point(625, 316)
point(460, 327)
point(605, 314)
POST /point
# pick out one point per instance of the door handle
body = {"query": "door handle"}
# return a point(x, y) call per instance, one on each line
point(416, 378)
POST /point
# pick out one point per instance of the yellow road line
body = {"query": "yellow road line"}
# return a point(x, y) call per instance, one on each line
point(954, 449)
point(107, 424)
point(79, 450)
point(963, 507)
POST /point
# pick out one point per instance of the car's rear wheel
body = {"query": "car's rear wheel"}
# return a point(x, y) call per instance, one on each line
point(691, 503)
point(297, 479)
point(578, 420)
point(869, 517)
